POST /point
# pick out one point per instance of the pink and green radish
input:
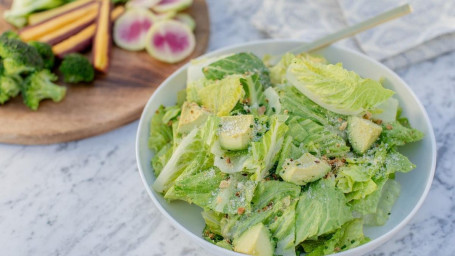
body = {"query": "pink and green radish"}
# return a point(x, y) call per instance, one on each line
point(170, 41)
point(130, 30)
point(186, 19)
point(172, 5)
point(142, 3)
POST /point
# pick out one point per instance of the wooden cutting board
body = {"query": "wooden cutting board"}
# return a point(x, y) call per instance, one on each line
point(111, 101)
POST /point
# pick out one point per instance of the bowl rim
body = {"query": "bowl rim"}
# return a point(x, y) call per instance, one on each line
point(357, 250)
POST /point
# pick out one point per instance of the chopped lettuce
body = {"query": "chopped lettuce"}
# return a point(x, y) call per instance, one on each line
point(185, 152)
point(266, 151)
point(282, 227)
point(160, 133)
point(196, 186)
point(288, 151)
point(335, 88)
point(236, 192)
point(304, 111)
point(369, 203)
point(193, 88)
point(316, 138)
point(212, 220)
point(273, 100)
point(397, 162)
point(160, 159)
point(389, 195)
point(321, 209)
point(221, 96)
point(278, 72)
point(270, 191)
point(350, 235)
point(171, 113)
point(283, 230)
point(279, 198)
point(395, 133)
point(238, 64)
point(356, 181)
point(295, 103)
point(254, 91)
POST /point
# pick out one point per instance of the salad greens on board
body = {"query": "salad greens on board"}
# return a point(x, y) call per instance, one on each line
point(285, 159)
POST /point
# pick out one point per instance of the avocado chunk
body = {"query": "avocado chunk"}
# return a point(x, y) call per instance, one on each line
point(192, 116)
point(236, 132)
point(389, 110)
point(307, 168)
point(362, 133)
point(255, 241)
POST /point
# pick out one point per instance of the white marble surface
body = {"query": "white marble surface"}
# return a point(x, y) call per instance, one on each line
point(86, 197)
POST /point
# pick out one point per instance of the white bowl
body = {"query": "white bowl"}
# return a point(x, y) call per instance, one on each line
point(415, 185)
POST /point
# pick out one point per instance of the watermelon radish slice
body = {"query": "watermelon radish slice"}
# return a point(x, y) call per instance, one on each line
point(170, 41)
point(172, 5)
point(131, 29)
point(142, 3)
point(186, 19)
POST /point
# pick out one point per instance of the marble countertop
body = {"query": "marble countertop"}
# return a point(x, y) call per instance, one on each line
point(86, 197)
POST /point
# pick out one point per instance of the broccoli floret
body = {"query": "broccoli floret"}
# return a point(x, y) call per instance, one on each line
point(10, 87)
point(10, 34)
point(45, 51)
point(76, 68)
point(39, 86)
point(19, 57)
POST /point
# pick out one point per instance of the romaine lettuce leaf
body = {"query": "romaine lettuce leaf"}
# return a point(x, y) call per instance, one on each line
point(335, 88)
point(221, 96)
point(160, 159)
point(209, 131)
point(368, 204)
point(315, 138)
point(193, 147)
point(171, 113)
point(289, 150)
point(193, 88)
point(283, 227)
point(356, 181)
point(176, 136)
point(254, 91)
point(321, 209)
point(350, 235)
point(232, 194)
point(188, 148)
point(397, 162)
point(160, 133)
point(296, 104)
point(278, 72)
point(390, 193)
point(273, 100)
point(212, 220)
point(279, 197)
point(395, 133)
point(240, 64)
point(266, 151)
point(196, 187)
point(212, 189)
point(283, 231)
point(273, 190)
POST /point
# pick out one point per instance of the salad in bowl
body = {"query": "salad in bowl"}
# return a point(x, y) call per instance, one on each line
point(287, 158)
